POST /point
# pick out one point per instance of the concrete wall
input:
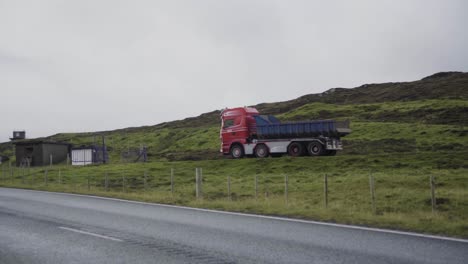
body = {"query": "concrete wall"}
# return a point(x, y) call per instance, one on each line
point(59, 153)
point(32, 151)
point(39, 153)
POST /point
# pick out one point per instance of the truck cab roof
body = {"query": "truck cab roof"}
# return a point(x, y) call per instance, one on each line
point(239, 111)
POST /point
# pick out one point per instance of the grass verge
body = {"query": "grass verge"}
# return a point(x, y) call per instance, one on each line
point(403, 196)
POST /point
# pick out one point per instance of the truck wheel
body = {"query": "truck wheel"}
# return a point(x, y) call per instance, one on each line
point(261, 151)
point(295, 149)
point(315, 149)
point(237, 151)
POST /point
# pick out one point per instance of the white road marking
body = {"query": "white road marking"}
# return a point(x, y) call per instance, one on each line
point(388, 231)
point(91, 234)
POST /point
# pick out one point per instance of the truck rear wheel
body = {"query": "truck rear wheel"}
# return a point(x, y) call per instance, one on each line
point(315, 148)
point(295, 149)
point(261, 151)
point(330, 152)
point(237, 151)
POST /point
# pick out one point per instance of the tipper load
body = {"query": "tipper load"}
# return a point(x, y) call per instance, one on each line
point(303, 129)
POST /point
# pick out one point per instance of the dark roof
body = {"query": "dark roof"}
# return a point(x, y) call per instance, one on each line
point(34, 142)
point(84, 147)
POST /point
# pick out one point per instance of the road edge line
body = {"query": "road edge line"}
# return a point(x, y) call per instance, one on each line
point(285, 219)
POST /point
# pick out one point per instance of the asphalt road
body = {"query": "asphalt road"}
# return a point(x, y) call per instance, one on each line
point(41, 227)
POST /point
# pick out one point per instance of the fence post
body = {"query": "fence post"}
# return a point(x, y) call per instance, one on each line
point(172, 181)
point(50, 159)
point(286, 182)
point(46, 172)
point(106, 182)
point(229, 187)
point(145, 180)
point(198, 181)
point(23, 181)
point(73, 181)
point(433, 198)
point(372, 193)
point(256, 186)
point(325, 189)
point(11, 172)
point(123, 182)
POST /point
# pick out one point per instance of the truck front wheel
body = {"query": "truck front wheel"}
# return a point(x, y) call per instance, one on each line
point(237, 151)
point(314, 148)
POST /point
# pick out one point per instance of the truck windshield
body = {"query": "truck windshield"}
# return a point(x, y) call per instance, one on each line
point(228, 123)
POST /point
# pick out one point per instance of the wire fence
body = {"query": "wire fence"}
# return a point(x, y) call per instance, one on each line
point(370, 191)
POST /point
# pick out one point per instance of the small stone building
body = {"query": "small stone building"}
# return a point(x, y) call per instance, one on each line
point(39, 152)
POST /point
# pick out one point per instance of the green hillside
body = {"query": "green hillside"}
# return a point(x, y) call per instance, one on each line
point(403, 133)
point(412, 116)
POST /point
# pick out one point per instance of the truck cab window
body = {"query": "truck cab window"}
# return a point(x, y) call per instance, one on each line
point(228, 123)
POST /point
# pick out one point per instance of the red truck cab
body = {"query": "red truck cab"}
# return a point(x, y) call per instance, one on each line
point(236, 128)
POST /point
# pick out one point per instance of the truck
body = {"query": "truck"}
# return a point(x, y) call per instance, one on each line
point(244, 132)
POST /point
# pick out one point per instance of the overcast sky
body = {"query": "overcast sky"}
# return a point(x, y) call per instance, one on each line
point(76, 66)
